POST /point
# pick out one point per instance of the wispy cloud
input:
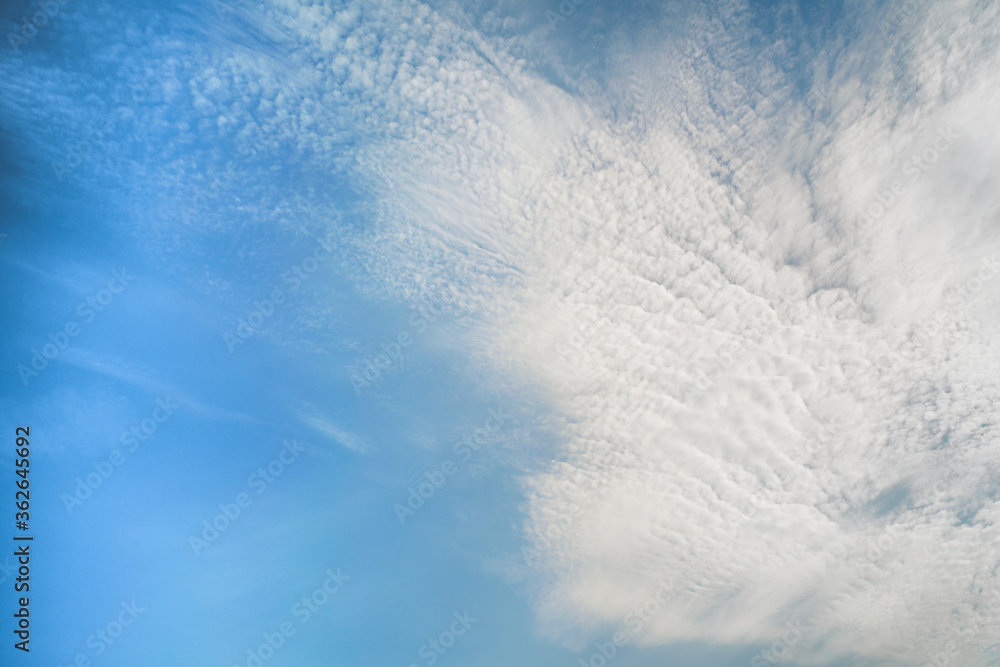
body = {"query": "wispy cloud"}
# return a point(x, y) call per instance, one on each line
point(663, 229)
point(314, 418)
point(145, 379)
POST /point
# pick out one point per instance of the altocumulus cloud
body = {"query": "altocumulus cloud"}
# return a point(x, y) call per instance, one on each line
point(639, 198)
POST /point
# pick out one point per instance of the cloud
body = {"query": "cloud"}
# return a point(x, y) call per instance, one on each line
point(663, 247)
point(674, 210)
point(145, 379)
point(311, 416)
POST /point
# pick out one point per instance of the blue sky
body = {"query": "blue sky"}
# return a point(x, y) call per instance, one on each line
point(688, 300)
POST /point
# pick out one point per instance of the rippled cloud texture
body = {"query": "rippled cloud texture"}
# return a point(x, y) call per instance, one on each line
point(746, 253)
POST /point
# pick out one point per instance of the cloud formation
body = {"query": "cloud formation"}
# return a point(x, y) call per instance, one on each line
point(790, 406)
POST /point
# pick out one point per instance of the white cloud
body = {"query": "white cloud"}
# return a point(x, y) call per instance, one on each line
point(313, 417)
point(637, 236)
point(651, 225)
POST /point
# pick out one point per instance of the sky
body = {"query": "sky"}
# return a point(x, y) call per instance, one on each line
point(502, 333)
